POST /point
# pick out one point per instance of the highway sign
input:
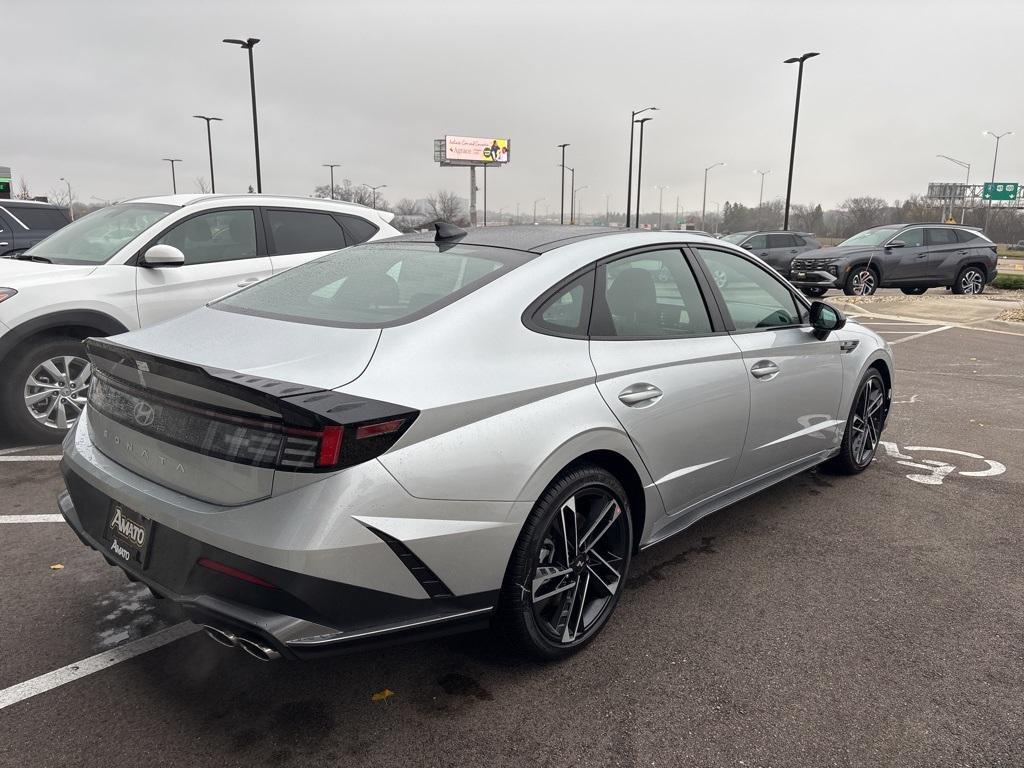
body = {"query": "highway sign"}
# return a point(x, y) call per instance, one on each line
point(1000, 190)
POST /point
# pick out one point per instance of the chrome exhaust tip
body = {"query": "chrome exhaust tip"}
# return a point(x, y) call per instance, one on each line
point(226, 639)
point(258, 650)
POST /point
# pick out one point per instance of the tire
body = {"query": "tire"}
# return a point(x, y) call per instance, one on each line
point(539, 589)
point(814, 293)
point(970, 280)
point(858, 447)
point(56, 406)
point(913, 291)
point(862, 281)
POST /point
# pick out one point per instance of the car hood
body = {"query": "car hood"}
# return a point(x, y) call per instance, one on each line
point(17, 273)
point(300, 353)
point(835, 253)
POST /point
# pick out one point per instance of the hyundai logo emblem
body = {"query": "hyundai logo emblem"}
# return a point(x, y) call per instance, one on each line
point(144, 413)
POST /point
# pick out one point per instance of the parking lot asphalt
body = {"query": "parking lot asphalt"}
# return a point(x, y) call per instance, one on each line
point(875, 620)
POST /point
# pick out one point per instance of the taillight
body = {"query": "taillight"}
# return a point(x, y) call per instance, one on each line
point(319, 431)
point(234, 573)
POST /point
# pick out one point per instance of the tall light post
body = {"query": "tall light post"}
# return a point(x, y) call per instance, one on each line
point(209, 146)
point(607, 210)
point(572, 183)
point(967, 183)
point(640, 166)
point(374, 190)
point(995, 158)
point(538, 200)
point(576, 191)
point(704, 201)
point(71, 202)
point(332, 166)
point(661, 196)
point(248, 45)
point(760, 197)
point(796, 117)
point(174, 180)
point(561, 214)
point(629, 184)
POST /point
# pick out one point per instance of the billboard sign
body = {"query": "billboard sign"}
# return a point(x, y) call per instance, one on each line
point(5, 183)
point(476, 150)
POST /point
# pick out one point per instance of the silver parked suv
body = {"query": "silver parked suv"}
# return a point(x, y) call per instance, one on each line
point(911, 257)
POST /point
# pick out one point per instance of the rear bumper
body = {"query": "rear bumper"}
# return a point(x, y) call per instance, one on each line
point(299, 616)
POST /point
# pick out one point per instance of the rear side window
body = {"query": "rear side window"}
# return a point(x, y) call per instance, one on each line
point(358, 230)
point(304, 231)
point(941, 236)
point(374, 285)
point(649, 295)
point(781, 241)
point(39, 218)
point(966, 236)
point(568, 311)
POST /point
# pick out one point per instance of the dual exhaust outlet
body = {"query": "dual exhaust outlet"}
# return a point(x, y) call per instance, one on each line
point(254, 648)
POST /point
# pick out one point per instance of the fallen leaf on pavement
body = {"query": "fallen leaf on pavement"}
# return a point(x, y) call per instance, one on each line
point(57, 567)
point(384, 695)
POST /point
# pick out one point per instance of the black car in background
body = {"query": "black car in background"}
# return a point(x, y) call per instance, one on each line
point(777, 247)
point(911, 257)
point(23, 223)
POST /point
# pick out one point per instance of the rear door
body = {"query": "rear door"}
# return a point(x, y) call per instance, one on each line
point(670, 374)
point(224, 250)
point(945, 252)
point(908, 264)
point(297, 236)
point(795, 379)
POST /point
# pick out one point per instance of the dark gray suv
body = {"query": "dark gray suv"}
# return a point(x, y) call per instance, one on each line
point(911, 257)
point(776, 247)
point(23, 223)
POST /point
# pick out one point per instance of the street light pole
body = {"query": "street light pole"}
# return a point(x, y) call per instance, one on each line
point(248, 45)
point(704, 201)
point(374, 189)
point(561, 214)
point(174, 180)
point(629, 184)
point(640, 166)
point(796, 117)
point(71, 202)
point(607, 210)
point(967, 183)
point(209, 146)
point(661, 196)
point(760, 197)
point(576, 191)
point(572, 197)
point(332, 166)
point(538, 200)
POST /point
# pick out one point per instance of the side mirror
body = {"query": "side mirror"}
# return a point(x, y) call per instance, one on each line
point(896, 244)
point(163, 256)
point(825, 318)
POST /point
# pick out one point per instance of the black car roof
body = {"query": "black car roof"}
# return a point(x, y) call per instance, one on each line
point(534, 239)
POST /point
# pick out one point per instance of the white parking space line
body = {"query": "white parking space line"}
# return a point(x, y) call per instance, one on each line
point(919, 335)
point(100, 661)
point(31, 519)
point(30, 458)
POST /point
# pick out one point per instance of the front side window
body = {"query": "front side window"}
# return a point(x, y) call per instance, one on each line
point(95, 238)
point(374, 285)
point(649, 295)
point(304, 232)
point(757, 242)
point(214, 236)
point(941, 236)
point(753, 298)
point(912, 238)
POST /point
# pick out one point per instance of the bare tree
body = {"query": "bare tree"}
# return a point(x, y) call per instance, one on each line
point(445, 205)
point(407, 207)
point(61, 198)
point(23, 193)
point(863, 212)
point(201, 185)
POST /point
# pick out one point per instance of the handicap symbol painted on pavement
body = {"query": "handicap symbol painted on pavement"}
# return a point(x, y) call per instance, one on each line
point(933, 471)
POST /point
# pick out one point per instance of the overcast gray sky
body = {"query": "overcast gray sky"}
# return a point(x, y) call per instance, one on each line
point(99, 91)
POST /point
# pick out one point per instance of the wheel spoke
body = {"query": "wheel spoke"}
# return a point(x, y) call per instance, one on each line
point(544, 575)
point(570, 550)
point(52, 369)
point(82, 379)
point(611, 511)
point(40, 395)
point(578, 611)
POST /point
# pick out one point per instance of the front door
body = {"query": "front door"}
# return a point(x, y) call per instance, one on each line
point(222, 254)
point(909, 263)
point(676, 384)
point(795, 379)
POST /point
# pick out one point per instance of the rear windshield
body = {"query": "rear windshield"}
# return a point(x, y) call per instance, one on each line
point(374, 285)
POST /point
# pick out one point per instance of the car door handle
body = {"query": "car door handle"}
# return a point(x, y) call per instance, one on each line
point(640, 394)
point(248, 281)
point(794, 251)
point(765, 370)
point(958, 253)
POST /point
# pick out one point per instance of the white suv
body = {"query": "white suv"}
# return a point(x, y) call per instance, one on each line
point(137, 263)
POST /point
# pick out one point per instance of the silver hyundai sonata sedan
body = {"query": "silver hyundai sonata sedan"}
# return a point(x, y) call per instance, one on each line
point(444, 431)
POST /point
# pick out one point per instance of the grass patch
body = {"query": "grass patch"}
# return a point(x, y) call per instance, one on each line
point(1009, 281)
